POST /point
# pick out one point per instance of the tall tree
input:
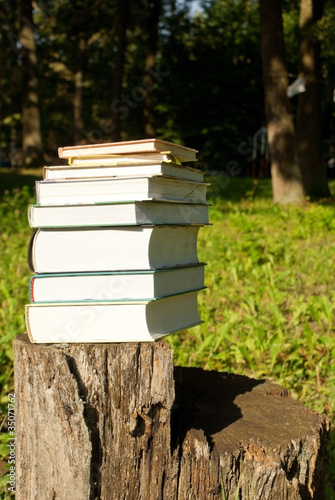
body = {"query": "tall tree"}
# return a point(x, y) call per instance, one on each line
point(286, 177)
point(10, 83)
point(119, 68)
point(78, 119)
point(309, 118)
point(153, 12)
point(213, 67)
point(32, 151)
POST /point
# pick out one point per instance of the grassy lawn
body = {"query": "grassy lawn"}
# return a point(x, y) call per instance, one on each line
point(268, 309)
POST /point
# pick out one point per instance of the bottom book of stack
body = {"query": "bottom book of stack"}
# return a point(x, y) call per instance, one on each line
point(111, 321)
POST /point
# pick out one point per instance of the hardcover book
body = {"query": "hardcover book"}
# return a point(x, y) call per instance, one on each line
point(106, 190)
point(117, 214)
point(127, 321)
point(140, 146)
point(126, 159)
point(112, 248)
point(119, 285)
point(117, 170)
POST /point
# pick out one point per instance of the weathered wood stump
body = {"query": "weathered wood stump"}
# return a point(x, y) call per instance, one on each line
point(117, 421)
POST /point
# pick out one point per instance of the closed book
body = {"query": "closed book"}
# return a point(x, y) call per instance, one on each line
point(105, 190)
point(125, 159)
point(116, 285)
point(109, 214)
point(116, 170)
point(126, 147)
point(112, 248)
point(113, 321)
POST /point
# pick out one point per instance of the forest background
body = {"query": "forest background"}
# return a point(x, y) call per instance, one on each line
point(90, 71)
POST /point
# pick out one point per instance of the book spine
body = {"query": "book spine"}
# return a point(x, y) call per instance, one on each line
point(30, 216)
point(31, 265)
point(31, 289)
point(37, 190)
point(30, 335)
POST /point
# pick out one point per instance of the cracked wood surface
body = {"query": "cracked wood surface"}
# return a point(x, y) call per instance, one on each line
point(118, 422)
point(246, 435)
point(91, 418)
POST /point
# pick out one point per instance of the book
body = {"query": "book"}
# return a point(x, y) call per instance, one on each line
point(118, 213)
point(112, 321)
point(120, 285)
point(140, 146)
point(116, 170)
point(126, 159)
point(112, 248)
point(86, 191)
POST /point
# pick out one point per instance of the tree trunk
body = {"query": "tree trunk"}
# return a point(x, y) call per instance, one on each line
point(108, 421)
point(153, 11)
point(32, 152)
point(309, 120)
point(118, 71)
point(78, 120)
point(286, 177)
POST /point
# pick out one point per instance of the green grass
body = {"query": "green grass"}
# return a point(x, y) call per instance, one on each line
point(269, 305)
point(268, 309)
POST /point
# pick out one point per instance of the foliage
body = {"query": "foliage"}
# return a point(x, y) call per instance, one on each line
point(13, 284)
point(218, 52)
point(13, 287)
point(269, 303)
point(208, 86)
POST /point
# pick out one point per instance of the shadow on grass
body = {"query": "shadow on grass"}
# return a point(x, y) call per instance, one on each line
point(11, 179)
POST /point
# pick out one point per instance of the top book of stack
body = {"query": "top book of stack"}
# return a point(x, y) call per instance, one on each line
point(144, 146)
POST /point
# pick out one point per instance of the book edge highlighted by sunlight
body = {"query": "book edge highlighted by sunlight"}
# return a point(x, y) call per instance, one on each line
point(122, 285)
point(140, 146)
point(112, 189)
point(127, 159)
point(118, 214)
point(113, 321)
point(116, 248)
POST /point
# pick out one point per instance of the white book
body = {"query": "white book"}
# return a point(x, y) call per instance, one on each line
point(122, 285)
point(117, 214)
point(106, 190)
point(125, 159)
point(112, 248)
point(126, 147)
point(129, 321)
point(117, 170)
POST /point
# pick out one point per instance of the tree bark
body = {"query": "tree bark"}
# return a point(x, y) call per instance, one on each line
point(116, 421)
point(286, 176)
point(93, 421)
point(32, 152)
point(309, 119)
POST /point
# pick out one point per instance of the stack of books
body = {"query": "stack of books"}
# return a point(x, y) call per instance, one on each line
point(114, 247)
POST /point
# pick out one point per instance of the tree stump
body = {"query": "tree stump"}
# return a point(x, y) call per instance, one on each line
point(117, 422)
